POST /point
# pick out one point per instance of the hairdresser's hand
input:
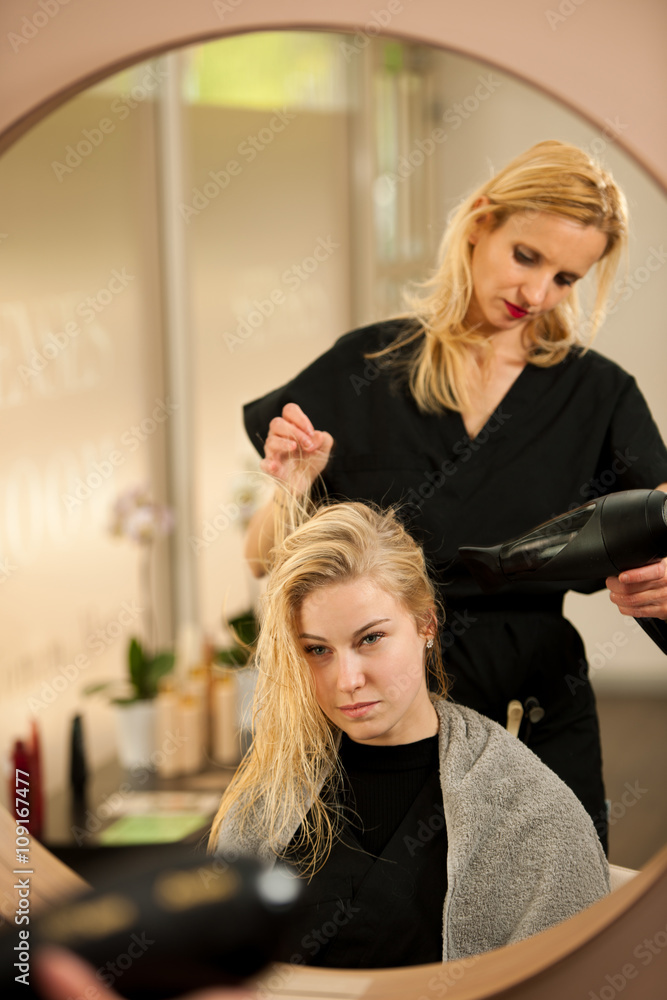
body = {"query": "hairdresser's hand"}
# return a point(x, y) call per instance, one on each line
point(641, 592)
point(61, 975)
point(294, 452)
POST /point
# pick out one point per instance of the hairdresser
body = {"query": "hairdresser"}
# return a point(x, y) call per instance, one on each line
point(484, 412)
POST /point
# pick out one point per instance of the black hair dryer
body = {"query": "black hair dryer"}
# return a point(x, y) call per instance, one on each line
point(599, 539)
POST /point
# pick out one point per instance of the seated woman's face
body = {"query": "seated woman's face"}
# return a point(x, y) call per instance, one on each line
point(367, 659)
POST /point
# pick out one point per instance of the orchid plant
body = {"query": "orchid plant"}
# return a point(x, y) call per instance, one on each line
point(137, 517)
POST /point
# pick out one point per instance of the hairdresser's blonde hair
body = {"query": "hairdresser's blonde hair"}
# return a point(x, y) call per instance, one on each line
point(294, 750)
point(552, 177)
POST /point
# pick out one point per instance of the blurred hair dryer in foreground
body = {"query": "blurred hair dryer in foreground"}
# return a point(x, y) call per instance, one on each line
point(599, 539)
point(180, 923)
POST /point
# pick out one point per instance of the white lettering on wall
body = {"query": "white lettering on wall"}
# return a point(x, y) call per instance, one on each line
point(32, 513)
point(47, 353)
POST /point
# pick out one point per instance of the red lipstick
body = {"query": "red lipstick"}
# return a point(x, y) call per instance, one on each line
point(514, 311)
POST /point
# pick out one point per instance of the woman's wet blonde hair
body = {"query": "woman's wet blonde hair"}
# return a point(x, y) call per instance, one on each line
point(552, 177)
point(294, 751)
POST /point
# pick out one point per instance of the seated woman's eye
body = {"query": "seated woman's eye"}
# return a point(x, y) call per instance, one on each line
point(562, 279)
point(371, 639)
point(316, 650)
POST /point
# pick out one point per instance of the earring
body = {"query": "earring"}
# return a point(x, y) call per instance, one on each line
point(429, 644)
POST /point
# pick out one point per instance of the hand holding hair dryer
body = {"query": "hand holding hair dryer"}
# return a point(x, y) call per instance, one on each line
point(602, 538)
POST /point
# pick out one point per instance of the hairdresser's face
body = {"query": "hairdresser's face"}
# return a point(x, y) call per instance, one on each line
point(526, 267)
point(367, 659)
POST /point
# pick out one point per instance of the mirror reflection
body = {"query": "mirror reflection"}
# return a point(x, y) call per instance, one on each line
point(313, 181)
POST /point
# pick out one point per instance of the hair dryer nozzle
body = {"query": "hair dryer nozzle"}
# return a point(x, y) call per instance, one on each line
point(602, 538)
point(484, 565)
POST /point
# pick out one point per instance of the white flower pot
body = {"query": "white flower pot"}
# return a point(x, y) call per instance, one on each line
point(135, 731)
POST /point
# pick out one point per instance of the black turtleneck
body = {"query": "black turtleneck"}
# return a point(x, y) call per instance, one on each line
point(382, 783)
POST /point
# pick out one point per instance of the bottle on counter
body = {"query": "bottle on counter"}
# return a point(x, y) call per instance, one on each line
point(78, 768)
point(36, 782)
point(168, 742)
point(225, 748)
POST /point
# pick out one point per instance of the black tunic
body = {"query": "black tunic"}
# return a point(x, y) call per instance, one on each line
point(561, 436)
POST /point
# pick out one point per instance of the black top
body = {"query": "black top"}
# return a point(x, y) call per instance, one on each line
point(561, 436)
point(382, 783)
point(372, 905)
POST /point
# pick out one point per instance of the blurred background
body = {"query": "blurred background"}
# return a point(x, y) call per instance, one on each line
point(187, 235)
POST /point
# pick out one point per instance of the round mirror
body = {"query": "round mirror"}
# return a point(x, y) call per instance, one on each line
point(187, 234)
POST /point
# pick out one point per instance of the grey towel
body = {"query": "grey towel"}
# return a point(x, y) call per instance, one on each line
point(523, 853)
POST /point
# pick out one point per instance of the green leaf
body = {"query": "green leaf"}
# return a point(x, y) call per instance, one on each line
point(137, 665)
point(233, 656)
point(96, 688)
point(157, 667)
point(245, 628)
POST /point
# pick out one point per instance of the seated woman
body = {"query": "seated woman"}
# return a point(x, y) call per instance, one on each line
point(426, 831)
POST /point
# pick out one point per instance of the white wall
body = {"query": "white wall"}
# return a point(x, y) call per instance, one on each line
point(75, 378)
